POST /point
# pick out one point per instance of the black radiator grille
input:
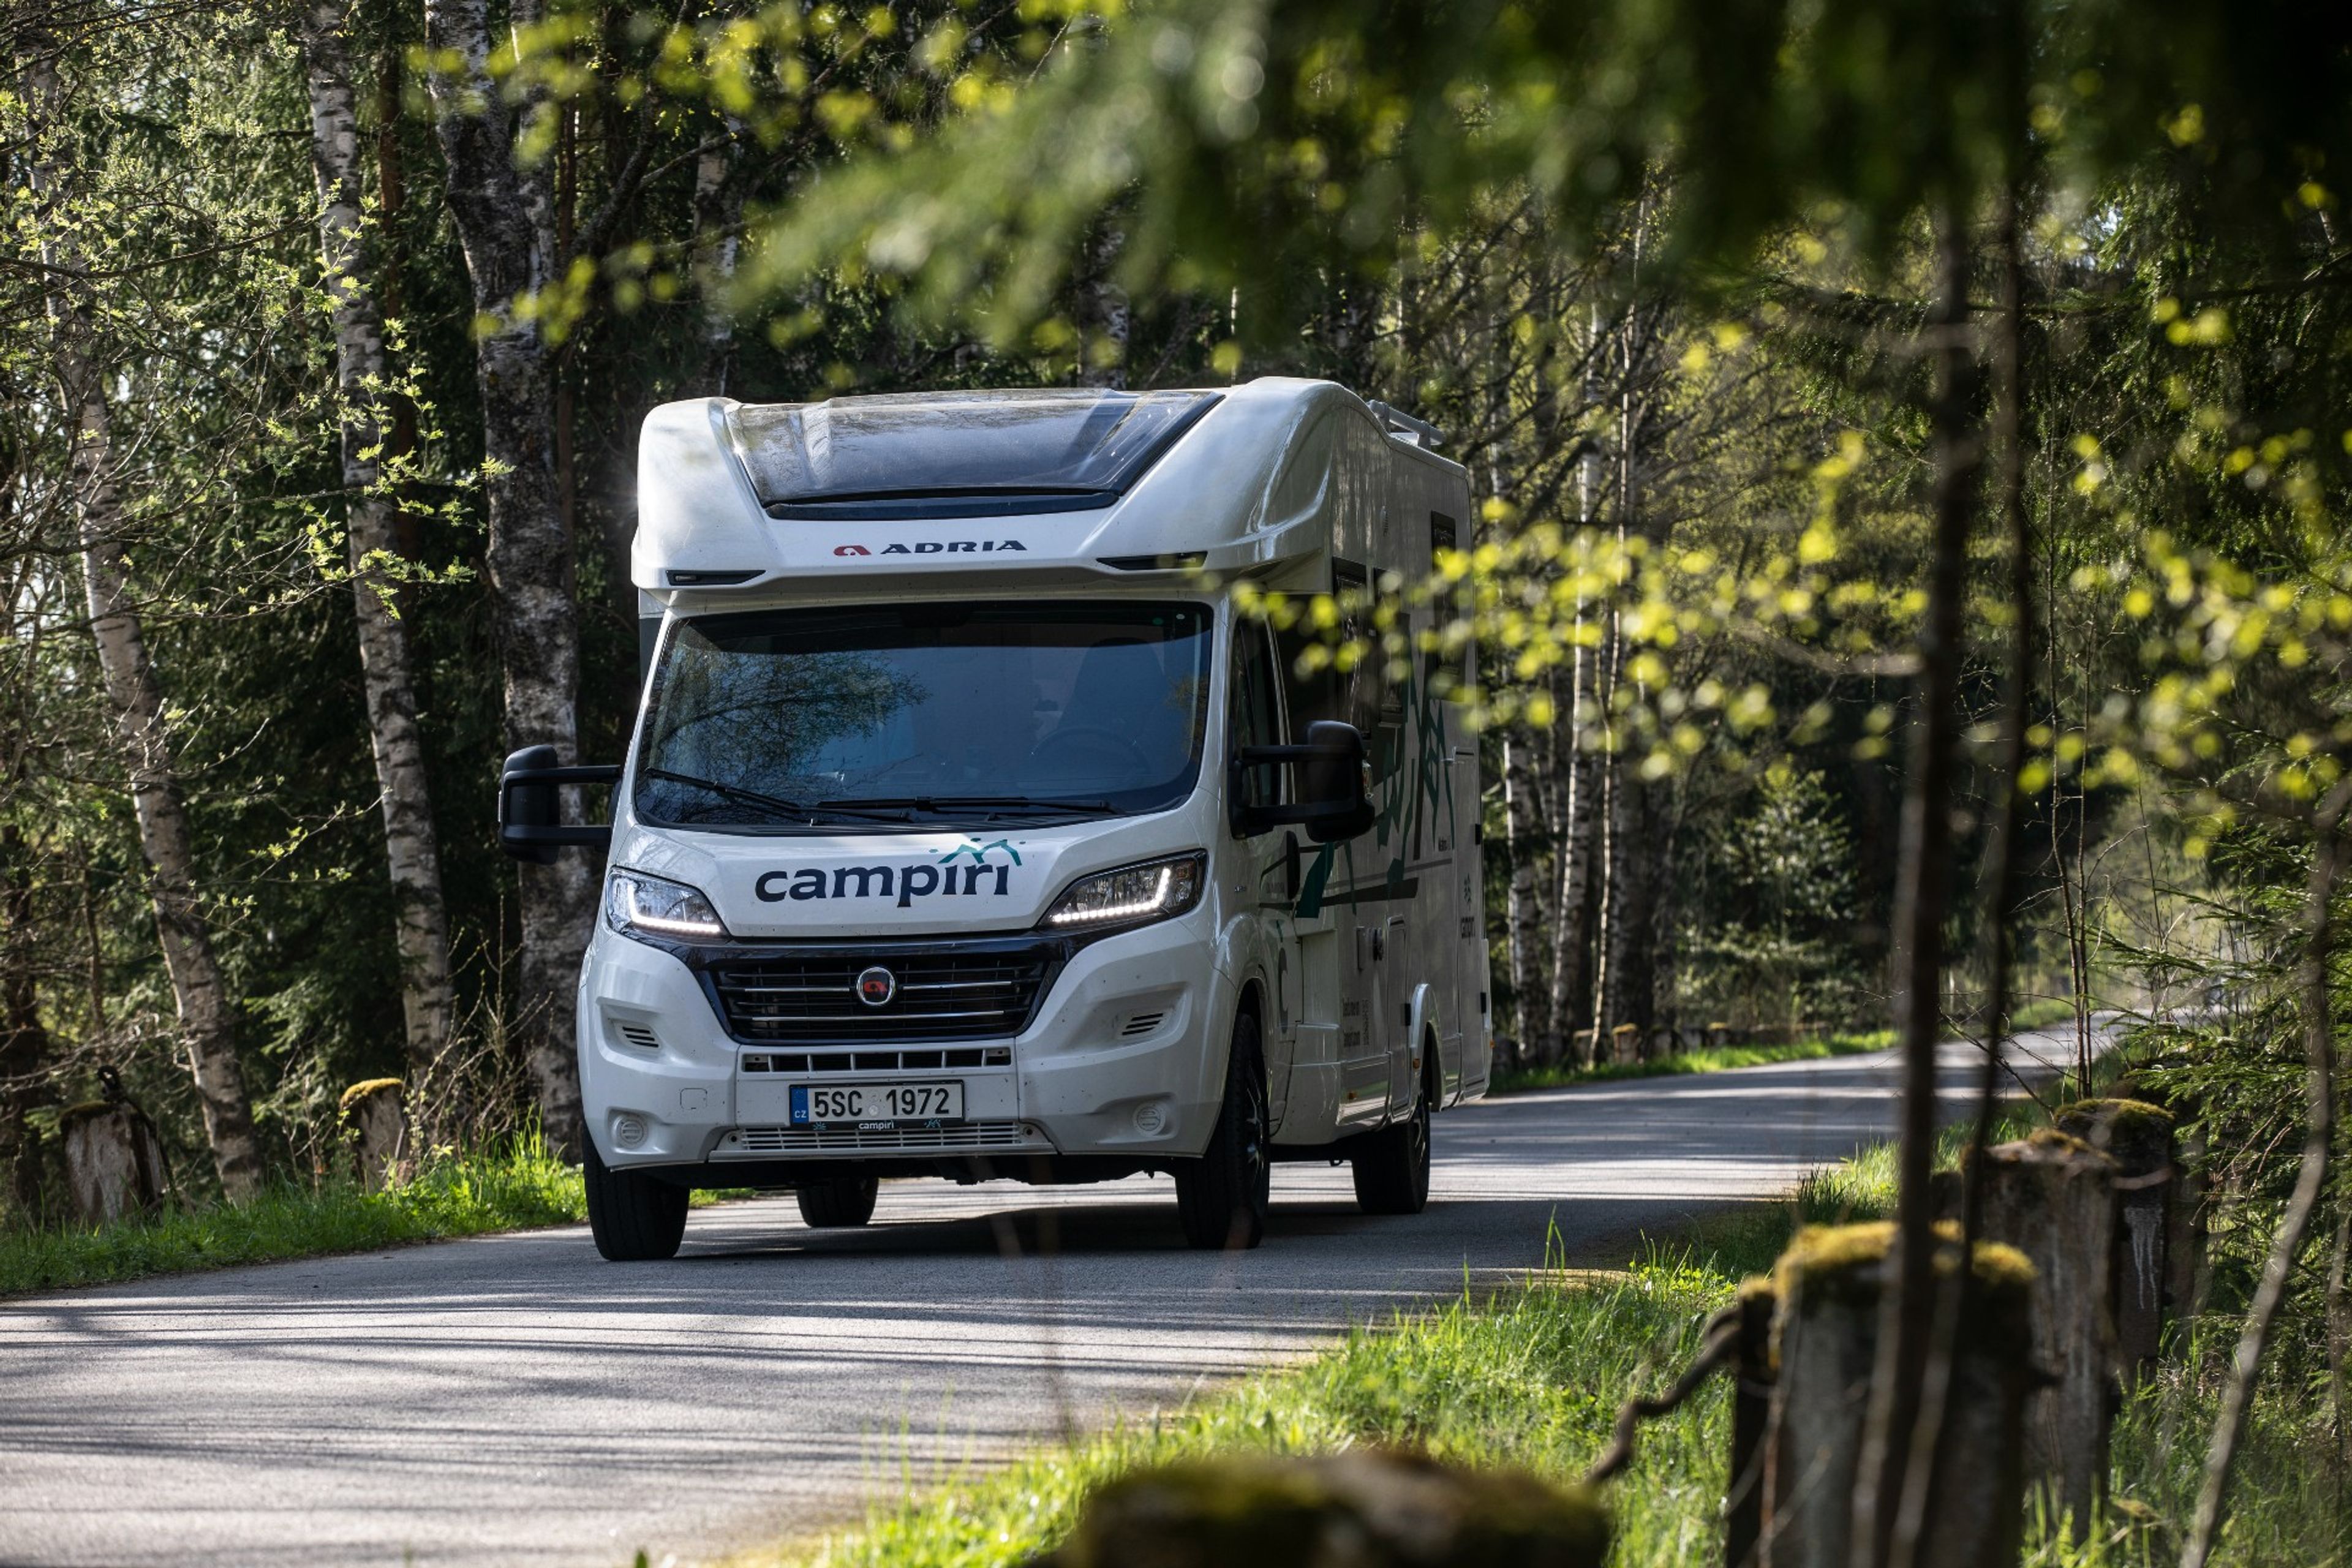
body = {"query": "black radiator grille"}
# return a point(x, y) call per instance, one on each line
point(942, 994)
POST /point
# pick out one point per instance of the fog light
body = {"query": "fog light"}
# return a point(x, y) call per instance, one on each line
point(628, 1132)
point(1151, 1119)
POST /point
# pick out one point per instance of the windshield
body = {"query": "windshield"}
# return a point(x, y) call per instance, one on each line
point(925, 713)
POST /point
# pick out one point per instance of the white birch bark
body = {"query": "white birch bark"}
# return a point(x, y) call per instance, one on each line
point(1574, 834)
point(1578, 825)
point(412, 847)
point(1521, 830)
point(141, 727)
point(1106, 316)
point(505, 222)
point(718, 244)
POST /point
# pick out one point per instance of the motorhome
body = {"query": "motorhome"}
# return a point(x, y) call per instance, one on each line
point(974, 827)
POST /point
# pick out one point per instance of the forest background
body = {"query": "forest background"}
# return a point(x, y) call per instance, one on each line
point(327, 330)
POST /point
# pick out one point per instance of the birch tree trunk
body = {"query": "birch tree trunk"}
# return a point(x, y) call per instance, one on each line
point(1106, 316)
point(412, 847)
point(1629, 918)
point(141, 729)
point(1573, 832)
point(1520, 833)
point(717, 218)
point(1572, 850)
point(505, 222)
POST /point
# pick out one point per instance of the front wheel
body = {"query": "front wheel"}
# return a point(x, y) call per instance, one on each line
point(1222, 1197)
point(635, 1218)
point(838, 1203)
point(1392, 1165)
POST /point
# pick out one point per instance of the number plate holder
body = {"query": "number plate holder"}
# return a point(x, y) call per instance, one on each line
point(878, 1106)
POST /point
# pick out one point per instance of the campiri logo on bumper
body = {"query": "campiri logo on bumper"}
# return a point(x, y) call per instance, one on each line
point(935, 547)
point(964, 872)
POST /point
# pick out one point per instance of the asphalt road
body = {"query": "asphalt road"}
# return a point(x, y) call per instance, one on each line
point(513, 1400)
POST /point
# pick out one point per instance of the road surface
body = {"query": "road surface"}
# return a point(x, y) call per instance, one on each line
point(513, 1400)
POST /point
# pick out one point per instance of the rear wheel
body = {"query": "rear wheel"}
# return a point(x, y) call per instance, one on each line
point(635, 1218)
point(1391, 1166)
point(1222, 1197)
point(838, 1202)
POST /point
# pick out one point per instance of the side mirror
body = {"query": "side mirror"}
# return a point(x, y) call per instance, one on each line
point(1332, 803)
point(531, 806)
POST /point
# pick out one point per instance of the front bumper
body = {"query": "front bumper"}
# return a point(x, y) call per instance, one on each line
point(1115, 1061)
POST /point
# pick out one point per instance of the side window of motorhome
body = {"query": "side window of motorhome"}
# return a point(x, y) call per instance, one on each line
point(1257, 712)
point(1363, 696)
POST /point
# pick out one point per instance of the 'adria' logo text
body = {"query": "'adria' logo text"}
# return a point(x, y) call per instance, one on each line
point(937, 547)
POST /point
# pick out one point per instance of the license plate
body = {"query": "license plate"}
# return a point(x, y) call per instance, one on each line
point(878, 1104)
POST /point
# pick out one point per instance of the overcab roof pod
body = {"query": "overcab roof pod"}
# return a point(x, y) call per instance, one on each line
point(957, 454)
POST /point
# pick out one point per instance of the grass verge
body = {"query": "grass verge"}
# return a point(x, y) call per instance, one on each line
point(1714, 1061)
point(1532, 1376)
point(511, 1187)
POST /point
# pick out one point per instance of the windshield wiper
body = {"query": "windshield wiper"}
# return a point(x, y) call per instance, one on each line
point(932, 804)
point(774, 804)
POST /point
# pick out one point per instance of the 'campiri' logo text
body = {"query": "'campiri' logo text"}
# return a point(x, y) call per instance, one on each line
point(950, 876)
point(936, 547)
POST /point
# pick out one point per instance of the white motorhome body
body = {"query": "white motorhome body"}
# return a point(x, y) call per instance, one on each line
point(970, 829)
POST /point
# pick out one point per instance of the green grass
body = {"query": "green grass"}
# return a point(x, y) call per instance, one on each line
point(1716, 1061)
point(1533, 1375)
point(517, 1186)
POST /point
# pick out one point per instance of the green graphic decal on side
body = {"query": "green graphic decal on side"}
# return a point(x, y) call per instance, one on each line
point(1310, 886)
point(1406, 796)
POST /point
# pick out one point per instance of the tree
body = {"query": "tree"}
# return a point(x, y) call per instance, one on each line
point(412, 848)
point(505, 218)
point(143, 728)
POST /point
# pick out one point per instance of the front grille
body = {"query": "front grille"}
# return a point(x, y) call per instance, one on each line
point(877, 1062)
point(961, 991)
point(751, 1140)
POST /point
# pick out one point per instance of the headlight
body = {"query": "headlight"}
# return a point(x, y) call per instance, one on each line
point(639, 905)
point(1132, 895)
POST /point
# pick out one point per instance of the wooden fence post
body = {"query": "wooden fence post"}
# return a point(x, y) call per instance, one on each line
point(2185, 1274)
point(1826, 1338)
point(114, 1161)
point(376, 1123)
point(2138, 1137)
point(1361, 1509)
point(1625, 1043)
point(2052, 1197)
point(1751, 1410)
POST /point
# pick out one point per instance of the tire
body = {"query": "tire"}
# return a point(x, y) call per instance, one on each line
point(635, 1219)
point(1222, 1197)
point(1392, 1165)
point(838, 1203)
